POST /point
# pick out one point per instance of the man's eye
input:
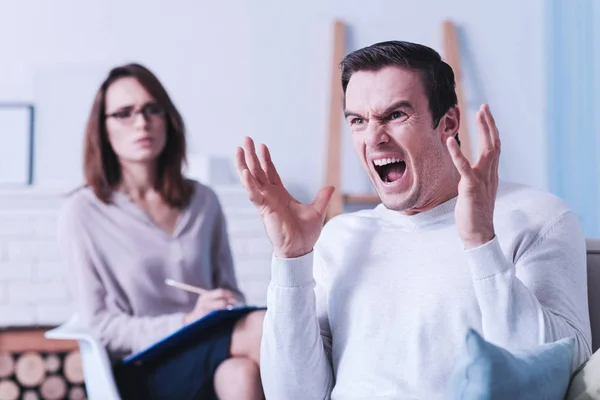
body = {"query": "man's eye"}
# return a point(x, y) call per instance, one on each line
point(396, 114)
point(355, 121)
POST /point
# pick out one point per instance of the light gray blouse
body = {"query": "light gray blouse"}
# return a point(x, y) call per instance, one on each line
point(118, 260)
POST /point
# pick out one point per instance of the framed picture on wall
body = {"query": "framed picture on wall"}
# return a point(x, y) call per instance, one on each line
point(16, 149)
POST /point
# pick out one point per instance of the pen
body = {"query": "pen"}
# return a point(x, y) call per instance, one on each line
point(185, 286)
point(190, 288)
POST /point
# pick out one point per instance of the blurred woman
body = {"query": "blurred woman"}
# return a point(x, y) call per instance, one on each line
point(137, 222)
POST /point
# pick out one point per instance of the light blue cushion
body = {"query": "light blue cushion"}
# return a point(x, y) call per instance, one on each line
point(486, 371)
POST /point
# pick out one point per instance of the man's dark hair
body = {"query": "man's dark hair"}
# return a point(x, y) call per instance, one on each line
point(436, 75)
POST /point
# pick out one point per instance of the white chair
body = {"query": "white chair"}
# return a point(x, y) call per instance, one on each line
point(99, 381)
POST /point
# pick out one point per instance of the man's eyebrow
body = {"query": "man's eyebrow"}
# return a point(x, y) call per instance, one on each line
point(396, 105)
point(348, 113)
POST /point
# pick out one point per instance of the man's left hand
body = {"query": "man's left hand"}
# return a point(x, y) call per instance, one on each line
point(478, 184)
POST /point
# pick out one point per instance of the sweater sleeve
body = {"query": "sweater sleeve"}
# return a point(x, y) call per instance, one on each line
point(296, 342)
point(120, 333)
point(542, 297)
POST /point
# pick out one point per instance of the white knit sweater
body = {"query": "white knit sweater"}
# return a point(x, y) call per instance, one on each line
point(380, 309)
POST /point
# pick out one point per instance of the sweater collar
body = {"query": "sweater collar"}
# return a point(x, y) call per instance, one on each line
point(439, 213)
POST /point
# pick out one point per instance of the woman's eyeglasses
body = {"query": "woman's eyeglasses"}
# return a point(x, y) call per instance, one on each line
point(127, 115)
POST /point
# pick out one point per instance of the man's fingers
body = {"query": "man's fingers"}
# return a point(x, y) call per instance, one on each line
point(490, 151)
point(251, 186)
point(240, 161)
point(485, 135)
point(267, 165)
point(253, 163)
point(322, 199)
point(247, 179)
point(494, 169)
point(495, 134)
point(460, 161)
point(495, 143)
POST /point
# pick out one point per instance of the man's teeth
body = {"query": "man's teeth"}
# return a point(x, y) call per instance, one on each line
point(386, 161)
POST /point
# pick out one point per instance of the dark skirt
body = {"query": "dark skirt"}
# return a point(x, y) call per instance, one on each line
point(185, 373)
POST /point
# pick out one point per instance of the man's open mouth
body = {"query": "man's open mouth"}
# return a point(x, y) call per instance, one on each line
point(390, 169)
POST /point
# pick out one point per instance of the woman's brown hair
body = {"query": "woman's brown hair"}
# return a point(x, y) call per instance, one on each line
point(101, 165)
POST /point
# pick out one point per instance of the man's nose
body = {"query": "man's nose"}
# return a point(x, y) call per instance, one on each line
point(377, 135)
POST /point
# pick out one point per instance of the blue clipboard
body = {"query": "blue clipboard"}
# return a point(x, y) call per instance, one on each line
point(188, 332)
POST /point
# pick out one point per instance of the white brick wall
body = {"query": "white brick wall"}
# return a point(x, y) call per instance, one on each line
point(33, 281)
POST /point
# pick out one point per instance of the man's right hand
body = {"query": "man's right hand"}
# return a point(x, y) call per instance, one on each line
point(292, 227)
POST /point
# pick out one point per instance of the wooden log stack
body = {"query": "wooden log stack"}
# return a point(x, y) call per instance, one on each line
point(35, 368)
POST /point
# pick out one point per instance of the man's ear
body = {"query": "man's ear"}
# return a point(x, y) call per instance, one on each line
point(450, 123)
